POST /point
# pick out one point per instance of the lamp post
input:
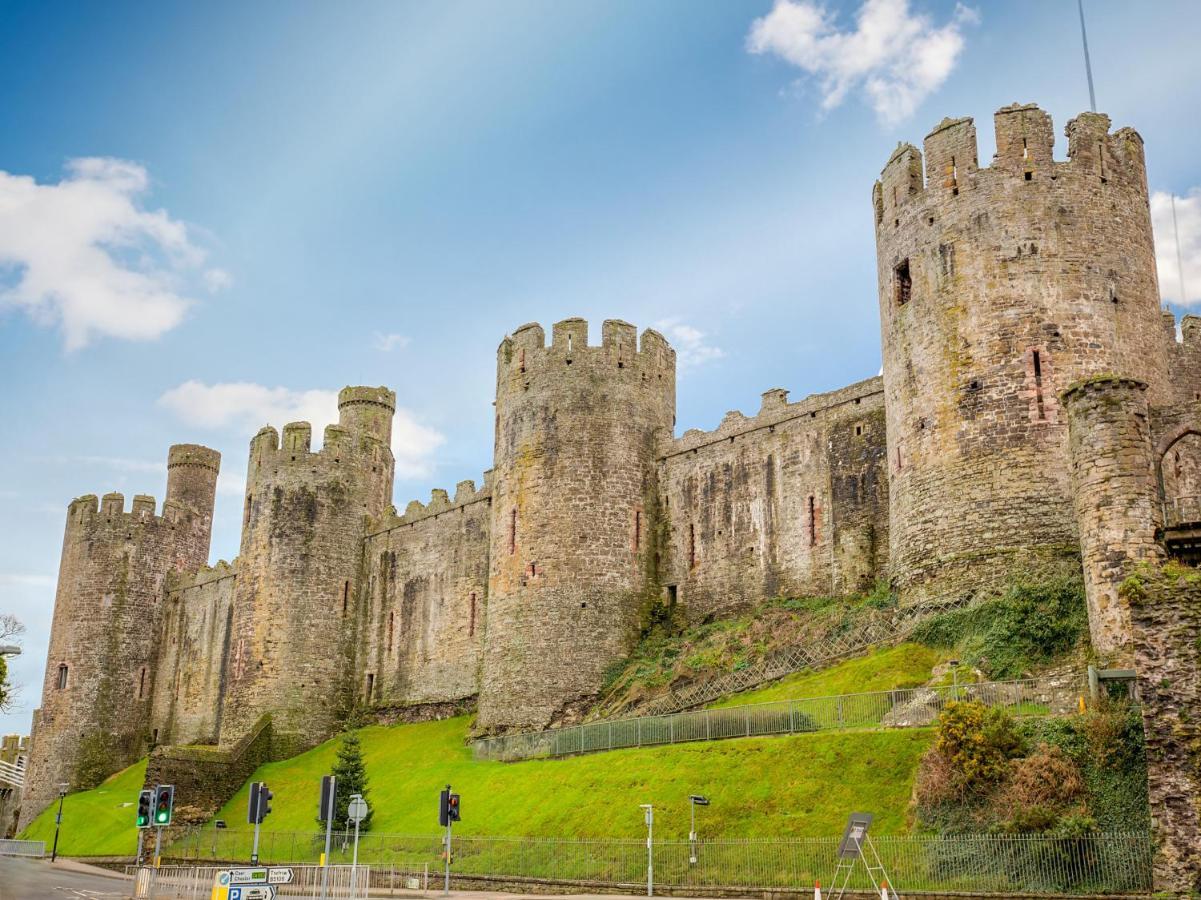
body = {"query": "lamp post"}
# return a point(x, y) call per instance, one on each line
point(649, 811)
point(58, 820)
point(954, 664)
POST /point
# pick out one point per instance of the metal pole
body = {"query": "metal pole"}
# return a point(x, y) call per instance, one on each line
point(158, 843)
point(446, 879)
point(1179, 262)
point(138, 859)
point(254, 853)
point(650, 853)
point(58, 821)
point(354, 863)
point(329, 825)
point(1088, 68)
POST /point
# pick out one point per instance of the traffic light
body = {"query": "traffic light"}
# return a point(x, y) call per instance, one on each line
point(164, 800)
point(448, 807)
point(145, 801)
point(260, 802)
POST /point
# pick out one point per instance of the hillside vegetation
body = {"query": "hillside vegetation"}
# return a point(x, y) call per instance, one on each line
point(99, 822)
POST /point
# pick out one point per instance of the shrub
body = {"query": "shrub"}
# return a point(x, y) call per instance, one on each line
point(1047, 777)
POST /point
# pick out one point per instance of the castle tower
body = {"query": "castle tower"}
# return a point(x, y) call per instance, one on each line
point(998, 288)
point(108, 610)
point(573, 514)
point(293, 627)
point(1117, 499)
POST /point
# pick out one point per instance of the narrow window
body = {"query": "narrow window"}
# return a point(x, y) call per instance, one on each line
point(62, 676)
point(1101, 160)
point(512, 531)
point(154, 738)
point(637, 530)
point(954, 178)
point(902, 283)
point(692, 546)
point(1025, 150)
point(345, 596)
point(812, 522)
point(370, 684)
point(391, 626)
point(673, 594)
point(1038, 385)
point(533, 568)
point(898, 459)
point(142, 684)
point(471, 621)
point(523, 361)
point(858, 430)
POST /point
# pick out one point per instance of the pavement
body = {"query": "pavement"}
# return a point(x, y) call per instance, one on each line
point(63, 879)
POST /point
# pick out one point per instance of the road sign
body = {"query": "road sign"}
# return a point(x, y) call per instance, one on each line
point(279, 876)
point(356, 811)
point(252, 892)
point(853, 835)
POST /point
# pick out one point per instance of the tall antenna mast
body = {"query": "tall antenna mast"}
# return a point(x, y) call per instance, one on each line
point(1088, 67)
point(1179, 261)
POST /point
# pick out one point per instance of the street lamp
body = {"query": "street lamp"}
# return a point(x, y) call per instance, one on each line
point(58, 819)
point(649, 812)
point(9, 650)
point(694, 800)
point(954, 664)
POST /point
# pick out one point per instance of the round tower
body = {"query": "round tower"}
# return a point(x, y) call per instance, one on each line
point(573, 514)
point(306, 513)
point(998, 288)
point(1117, 499)
point(108, 611)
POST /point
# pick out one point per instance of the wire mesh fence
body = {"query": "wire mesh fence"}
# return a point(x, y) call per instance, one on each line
point(904, 707)
point(886, 625)
point(23, 848)
point(1033, 864)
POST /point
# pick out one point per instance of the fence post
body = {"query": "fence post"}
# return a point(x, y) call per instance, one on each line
point(840, 719)
point(638, 731)
point(791, 716)
point(610, 735)
point(708, 725)
point(747, 715)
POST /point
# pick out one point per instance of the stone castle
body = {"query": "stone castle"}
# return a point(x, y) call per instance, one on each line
point(1037, 413)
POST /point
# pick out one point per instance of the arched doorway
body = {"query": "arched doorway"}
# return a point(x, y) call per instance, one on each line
point(1180, 487)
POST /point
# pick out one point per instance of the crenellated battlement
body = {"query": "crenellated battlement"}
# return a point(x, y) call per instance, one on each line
point(526, 353)
point(1024, 152)
point(88, 511)
point(194, 578)
point(775, 409)
point(440, 502)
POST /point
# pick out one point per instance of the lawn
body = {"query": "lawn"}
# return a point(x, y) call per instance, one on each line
point(903, 666)
point(99, 822)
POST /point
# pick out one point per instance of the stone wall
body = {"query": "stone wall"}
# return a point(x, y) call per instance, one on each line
point(1116, 499)
point(193, 652)
point(574, 519)
point(998, 288)
point(1165, 606)
point(792, 502)
point(14, 750)
point(108, 613)
point(299, 581)
point(427, 594)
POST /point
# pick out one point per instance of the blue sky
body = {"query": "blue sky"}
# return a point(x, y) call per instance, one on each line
point(277, 199)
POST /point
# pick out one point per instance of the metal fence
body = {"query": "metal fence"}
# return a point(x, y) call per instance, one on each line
point(196, 882)
point(23, 848)
point(838, 641)
point(1031, 864)
point(897, 708)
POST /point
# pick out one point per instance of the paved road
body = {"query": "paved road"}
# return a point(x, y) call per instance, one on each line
point(38, 879)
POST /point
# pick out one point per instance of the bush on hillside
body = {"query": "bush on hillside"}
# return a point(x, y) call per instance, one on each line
point(1028, 626)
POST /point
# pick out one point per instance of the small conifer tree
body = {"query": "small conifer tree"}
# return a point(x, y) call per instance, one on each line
point(351, 772)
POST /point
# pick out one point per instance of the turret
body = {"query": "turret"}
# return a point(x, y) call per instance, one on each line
point(108, 610)
point(998, 288)
point(573, 509)
point(295, 603)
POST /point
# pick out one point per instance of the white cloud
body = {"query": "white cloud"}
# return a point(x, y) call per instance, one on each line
point(231, 483)
point(13, 578)
point(386, 343)
point(1188, 223)
point(895, 56)
point(692, 348)
point(84, 255)
point(248, 406)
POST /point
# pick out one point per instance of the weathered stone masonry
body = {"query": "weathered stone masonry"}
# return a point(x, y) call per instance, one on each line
point(1035, 408)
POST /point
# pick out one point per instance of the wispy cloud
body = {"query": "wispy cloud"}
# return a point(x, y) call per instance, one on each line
point(1188, 225)
point(894, 56)
point(386, 343)
point(26, 580)
point(691, 344)
point(248, 406)
point(84, 255)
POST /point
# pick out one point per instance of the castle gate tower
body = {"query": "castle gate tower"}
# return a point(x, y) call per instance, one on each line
point(998, 288)
point(573, 507)
point(292, 633)
point(108, 610)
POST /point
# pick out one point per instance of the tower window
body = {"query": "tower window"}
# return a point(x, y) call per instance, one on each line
point(391, 629)
point(370, 684)
point(512, 531)
point(692, 546)
point(812, 505)
point(142, 684)
point(1037, 365)
point(471, 621)
point(345, 596)
point(902, 283)
point(637, 529)
point(62, 677)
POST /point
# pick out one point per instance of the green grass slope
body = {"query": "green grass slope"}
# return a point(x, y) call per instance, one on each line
point(802, 785)
point(99, 822)
point(903, 666)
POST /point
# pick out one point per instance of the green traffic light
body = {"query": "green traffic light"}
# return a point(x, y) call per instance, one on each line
point(142, 820)
point(162, 817)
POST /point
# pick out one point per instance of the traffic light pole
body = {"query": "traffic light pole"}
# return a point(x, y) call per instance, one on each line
point(254, 854)
point(446, 881)
point(138, 860)
point(158, 843)
point(329, 826)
